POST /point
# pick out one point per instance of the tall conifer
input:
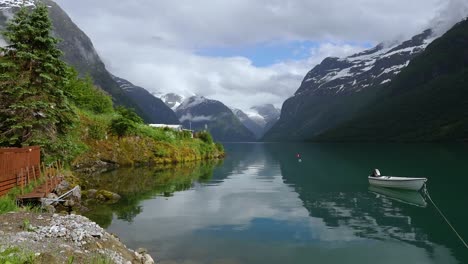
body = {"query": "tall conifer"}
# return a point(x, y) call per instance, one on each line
point(33, 107)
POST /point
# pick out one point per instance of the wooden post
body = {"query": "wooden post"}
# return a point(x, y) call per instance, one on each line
point(43, 170)
point(22, 179)
point(46, 180)
point(34, 172)
point(27, 173)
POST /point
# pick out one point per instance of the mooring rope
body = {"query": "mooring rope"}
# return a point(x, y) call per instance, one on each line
point(426, 192)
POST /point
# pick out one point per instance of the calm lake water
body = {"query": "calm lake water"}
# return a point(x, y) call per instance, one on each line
point(261, 205)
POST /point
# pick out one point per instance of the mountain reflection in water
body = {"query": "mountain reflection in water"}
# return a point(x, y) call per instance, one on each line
point(261, 205)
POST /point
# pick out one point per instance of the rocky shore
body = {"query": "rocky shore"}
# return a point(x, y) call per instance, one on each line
point(55, 238)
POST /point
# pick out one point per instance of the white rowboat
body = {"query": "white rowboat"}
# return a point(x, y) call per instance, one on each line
point(414, 184)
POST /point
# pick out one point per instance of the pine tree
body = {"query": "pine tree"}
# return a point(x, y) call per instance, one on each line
point(33, 107)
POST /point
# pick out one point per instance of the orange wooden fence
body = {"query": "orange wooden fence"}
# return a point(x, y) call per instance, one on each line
point(18, 166)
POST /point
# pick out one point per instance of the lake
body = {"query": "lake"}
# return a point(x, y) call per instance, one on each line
point(264, 205)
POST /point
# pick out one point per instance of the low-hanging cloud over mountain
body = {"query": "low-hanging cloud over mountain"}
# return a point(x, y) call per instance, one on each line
point(155, 44)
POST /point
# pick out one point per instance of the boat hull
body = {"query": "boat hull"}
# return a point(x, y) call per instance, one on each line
point(414, 184)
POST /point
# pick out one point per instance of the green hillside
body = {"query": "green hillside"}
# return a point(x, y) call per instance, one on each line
point(45, 102)
point(427, 101)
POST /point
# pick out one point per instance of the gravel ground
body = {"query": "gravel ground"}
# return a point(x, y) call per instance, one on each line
point(55, 238)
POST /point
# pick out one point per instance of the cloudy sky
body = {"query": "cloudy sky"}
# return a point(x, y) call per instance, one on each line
point(243, 52)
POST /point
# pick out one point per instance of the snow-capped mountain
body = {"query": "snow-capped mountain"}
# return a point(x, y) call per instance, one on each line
point(334, 90)
point(199, 113)
point(366, 69)
point(267, 114)
point(255, 126)
point(259, 118)
point(172, 100)
point(427, 101)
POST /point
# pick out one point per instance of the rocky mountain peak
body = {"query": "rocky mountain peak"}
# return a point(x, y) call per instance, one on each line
point(172, 100)
point(370, 68)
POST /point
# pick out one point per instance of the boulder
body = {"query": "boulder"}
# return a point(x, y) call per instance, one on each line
point(107, 196)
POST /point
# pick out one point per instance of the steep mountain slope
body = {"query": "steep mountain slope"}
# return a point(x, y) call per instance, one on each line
point(428, 101)
point(80, 53)
point(199, 113)
point(255, 127)
point(333, 91)
point(155, 109)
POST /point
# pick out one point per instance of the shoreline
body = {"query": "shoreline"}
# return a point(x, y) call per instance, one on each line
point(56, 238)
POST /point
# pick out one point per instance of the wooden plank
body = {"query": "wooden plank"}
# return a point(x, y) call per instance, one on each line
point(32, 195)
point(8, 182)
point(12, 160)
point(8, 187)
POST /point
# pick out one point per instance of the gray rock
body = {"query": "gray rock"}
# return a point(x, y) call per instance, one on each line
point(148, 259)
point(52, 196)
point(49, 209)
point(142, 250)
point(63, 187)
point(91, 193)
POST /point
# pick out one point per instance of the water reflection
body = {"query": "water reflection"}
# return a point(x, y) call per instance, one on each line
point(139, 184)
point(409, 197)
point(263, 206)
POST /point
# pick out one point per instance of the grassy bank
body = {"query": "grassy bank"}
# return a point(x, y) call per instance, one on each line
point(140, 145)
point(8, 202)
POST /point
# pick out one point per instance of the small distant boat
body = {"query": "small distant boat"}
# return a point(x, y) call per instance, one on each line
point(405, 183)
point(405, 196)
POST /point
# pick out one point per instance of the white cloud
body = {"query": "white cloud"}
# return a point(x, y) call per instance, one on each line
point(234, 80)
point(450, 13)
point(189, 117)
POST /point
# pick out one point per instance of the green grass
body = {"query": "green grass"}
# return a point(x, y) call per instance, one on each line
point(7, 204)
point(8, 201)
point(101, 259)
point(15, 255)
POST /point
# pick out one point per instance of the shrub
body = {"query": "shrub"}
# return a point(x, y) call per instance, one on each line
point(129, 114)
point(122, 126)
point(86, 96)
point(219, 147)
point(204, 136)
point(97, 131)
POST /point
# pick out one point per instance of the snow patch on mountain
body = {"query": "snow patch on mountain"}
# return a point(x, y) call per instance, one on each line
point(6, 4)
point(257, 118)
point(171, 99)
point(368, 68)
point(125, 85)
point(191, 102)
